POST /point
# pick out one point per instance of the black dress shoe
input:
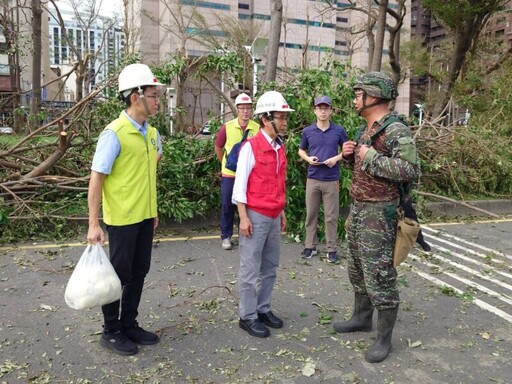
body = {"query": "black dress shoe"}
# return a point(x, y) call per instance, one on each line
point(254, 327)
point(270, 320)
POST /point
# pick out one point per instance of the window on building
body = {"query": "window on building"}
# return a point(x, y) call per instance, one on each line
point(206, 4)
point(79, 41)
point(92, 41)
point(243, 6)
point(71, 36)
point(56, 41)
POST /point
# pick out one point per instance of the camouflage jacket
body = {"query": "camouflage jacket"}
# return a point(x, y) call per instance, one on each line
point(391, 160)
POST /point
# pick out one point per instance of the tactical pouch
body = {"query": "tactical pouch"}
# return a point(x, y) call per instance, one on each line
point(406, 233)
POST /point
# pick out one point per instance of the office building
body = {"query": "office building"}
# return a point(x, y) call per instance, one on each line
point(311, 31)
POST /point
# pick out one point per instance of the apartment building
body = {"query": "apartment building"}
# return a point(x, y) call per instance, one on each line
point(102, 37)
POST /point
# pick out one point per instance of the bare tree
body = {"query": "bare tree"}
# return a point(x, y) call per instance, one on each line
point(237, 38)
point(276, 21)
point(9, 23)
point(80, 50)
point(386, 19)
point(394, 39)
point(379, 40)
point(131, 32)
point(35, 101)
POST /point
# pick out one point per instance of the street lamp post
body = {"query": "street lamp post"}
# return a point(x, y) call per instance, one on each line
point(222, 86)
point(254, 62)
point(171, 92)
point(420, 109)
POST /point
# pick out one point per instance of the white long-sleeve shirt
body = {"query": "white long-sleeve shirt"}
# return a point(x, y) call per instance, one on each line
point(246, 163)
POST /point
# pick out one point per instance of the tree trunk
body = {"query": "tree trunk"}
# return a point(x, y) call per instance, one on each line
point(369, 35)
point(466, 28)
point(35, 102)
point(394, 39)
point(8, 22)
point(379, 38)
point(463, 41)
point(276, 21)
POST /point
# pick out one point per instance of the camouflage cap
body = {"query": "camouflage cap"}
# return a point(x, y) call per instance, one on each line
point(377, 84)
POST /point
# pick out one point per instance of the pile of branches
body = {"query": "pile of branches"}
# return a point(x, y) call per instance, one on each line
point(459, 162)
point(48, 160)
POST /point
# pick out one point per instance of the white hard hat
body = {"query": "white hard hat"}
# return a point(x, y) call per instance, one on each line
point(135, 76)
point(243, 99)
point(272, 101)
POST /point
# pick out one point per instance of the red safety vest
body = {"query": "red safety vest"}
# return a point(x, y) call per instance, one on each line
point(266, 187)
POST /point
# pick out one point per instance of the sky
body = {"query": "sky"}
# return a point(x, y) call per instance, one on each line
point(108, 7)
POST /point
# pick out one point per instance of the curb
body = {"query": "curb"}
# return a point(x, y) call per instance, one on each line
point(498, 207)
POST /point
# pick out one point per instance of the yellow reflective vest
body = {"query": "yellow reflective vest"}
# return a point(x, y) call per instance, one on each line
point(129, 191)
point(234, 134)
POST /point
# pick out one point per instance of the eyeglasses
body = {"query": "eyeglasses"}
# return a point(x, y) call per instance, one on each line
point(154, 97)
point(282, 118)
point(323, 109)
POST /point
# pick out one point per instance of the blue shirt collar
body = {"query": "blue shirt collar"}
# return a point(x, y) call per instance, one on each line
point(141, 128)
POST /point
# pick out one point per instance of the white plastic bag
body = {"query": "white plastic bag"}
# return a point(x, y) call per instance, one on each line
point(94, 281)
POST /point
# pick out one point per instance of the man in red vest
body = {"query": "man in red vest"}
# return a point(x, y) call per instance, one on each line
point(259, 193)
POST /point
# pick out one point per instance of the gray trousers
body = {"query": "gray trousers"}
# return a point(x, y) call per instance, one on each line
point(259, 259)
point(328, 193)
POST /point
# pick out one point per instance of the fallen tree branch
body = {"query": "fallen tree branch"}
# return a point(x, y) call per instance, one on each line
point(458, 203)
point(64, 142)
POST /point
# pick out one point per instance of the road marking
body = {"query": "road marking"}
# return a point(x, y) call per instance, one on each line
point(470, 283)
point(478, 302)
point(446, 248)
point(73, 245)
point(470, 260)
point(437, 233)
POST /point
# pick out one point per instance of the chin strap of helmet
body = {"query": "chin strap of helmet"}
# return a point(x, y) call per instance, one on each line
point(144, 101)
point(270, 117)
point(365, 107)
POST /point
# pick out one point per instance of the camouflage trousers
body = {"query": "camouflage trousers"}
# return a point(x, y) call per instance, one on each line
point(371, 231)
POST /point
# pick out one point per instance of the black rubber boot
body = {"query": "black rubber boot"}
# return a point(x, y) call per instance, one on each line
point(361, 320)
point(381, 348)
point(424, 245)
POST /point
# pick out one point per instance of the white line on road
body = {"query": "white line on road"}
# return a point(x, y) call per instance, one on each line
point(482, 304)
point(469, 283)
point(436, 233)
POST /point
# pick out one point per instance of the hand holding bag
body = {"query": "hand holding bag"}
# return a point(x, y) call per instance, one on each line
point(406, 233)
point(94, 281)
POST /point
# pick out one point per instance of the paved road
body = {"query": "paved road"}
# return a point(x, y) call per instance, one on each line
point(454, 325)
point(472, 260)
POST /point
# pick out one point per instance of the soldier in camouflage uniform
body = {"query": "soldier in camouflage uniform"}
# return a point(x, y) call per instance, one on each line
point(382, 156)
